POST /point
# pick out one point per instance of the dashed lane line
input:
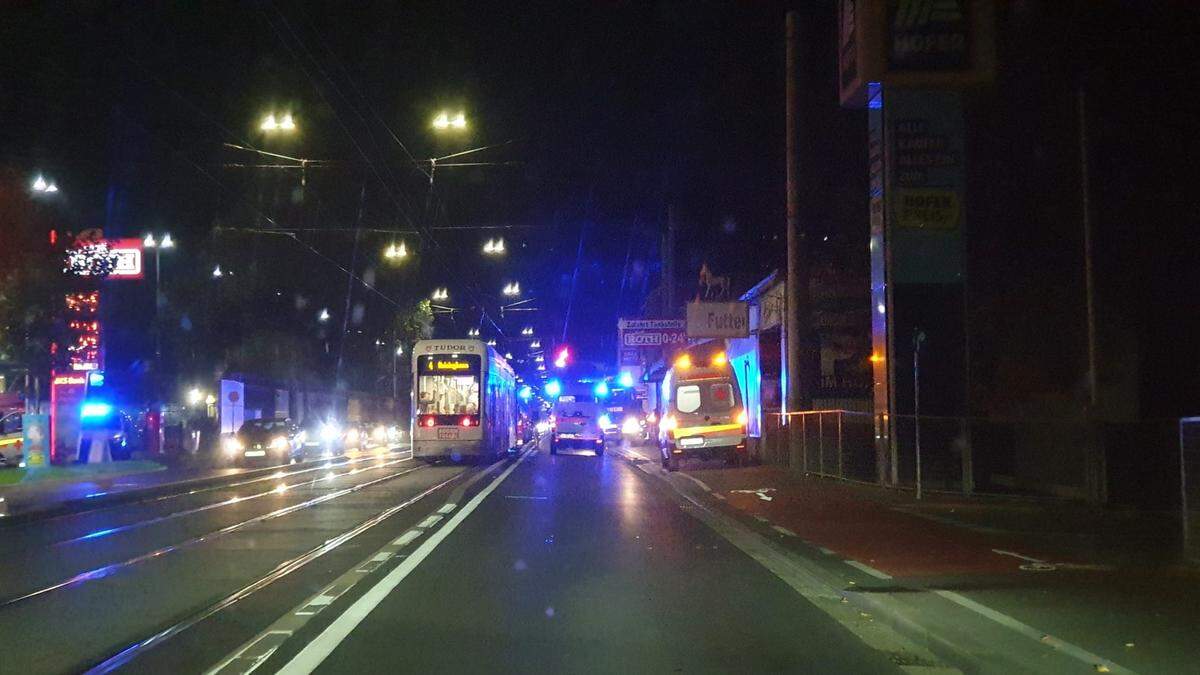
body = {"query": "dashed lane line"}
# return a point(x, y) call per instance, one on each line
point(318, 649)
point(868, 569)
point(251, 654)
point(1096, 661)
point(283, 569)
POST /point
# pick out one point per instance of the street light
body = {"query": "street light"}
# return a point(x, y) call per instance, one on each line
point(473, 332)
point(440, 294)
point(444, 121)
point(494, 247)
point(284, 123)
point(164, 242)
point(395, 252)
point(323, 316)
point(513, 289)
point(41, 185)
point(536, 344)
point(217, 272)
point(527, 330)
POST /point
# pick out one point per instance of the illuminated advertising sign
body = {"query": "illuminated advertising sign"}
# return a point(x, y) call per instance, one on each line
point(128, 254)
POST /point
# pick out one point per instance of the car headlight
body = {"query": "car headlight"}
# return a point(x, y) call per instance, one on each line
point(631, 426)
point(352, 436)
point(279, 443)
point(231, 445)
point(380, 434)
point(605, 422)
point(330, 432)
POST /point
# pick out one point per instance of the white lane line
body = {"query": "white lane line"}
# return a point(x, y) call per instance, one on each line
point(317, 650)
point(1017, 555)
point(868, 569)
point(826, 551)
point(446, 508)
point(382, 556)
point(697, 481)
point(762, 519)
point(429, 522)
point(1079, 653)
point(526, 497)
point(407, 538)
point(720, 496)
point(783, 530)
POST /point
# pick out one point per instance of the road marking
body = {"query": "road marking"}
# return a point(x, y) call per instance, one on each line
point(109, 570)
point(317, 650)
point(525, 497)
point(407, 538)
point(236, 663)
point(783, 530)
point(697, 481)
point(826, 551)
point(762, 519)
point(429, 522)
point(446, 508)
point(281, 570)
point(720, 496)
point(803, 577)
point(1079, 653)
point(1017, 555)
point(868, 569)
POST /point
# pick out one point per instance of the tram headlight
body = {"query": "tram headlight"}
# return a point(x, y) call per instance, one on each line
point(231, 445)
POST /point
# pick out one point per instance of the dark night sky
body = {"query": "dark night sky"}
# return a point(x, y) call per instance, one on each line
point(615, 110)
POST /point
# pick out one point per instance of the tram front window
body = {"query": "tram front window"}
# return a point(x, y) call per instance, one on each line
point(447, 385)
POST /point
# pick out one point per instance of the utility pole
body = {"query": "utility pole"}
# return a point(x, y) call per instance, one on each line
point(797, 269)
point(337, 378)
point(669, 265)
point(1096, 468)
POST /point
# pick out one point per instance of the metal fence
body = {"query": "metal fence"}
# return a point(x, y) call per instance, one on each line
point(1189, 479)
point(954, 454)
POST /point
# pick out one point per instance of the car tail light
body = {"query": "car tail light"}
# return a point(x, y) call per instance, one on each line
point(428, 421)
point(741, 418)
point(466, 421)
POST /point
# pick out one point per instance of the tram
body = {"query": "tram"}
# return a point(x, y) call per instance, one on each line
point(464, 404)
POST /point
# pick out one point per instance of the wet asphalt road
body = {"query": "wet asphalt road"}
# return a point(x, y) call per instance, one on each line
point(571, 563)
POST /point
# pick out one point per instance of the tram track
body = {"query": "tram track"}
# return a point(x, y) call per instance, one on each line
point(280, 487)
point(108, 570)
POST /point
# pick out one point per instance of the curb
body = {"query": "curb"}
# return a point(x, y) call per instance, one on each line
point(44, 511)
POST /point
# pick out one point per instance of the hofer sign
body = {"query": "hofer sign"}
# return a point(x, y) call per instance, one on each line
point(718, 320)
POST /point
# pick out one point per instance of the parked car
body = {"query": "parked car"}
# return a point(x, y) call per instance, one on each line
point(11, 438)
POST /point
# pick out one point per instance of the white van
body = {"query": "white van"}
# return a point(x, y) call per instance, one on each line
point(578, 421)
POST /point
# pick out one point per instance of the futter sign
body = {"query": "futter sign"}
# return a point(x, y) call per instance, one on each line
point(718, 320)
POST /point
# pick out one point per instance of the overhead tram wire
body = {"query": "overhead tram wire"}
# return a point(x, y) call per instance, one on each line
point(403, 209)
point(333, 57)
point(437, 246)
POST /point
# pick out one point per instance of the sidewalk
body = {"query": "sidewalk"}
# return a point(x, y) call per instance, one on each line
point(1107, 580)
point(946, 534)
